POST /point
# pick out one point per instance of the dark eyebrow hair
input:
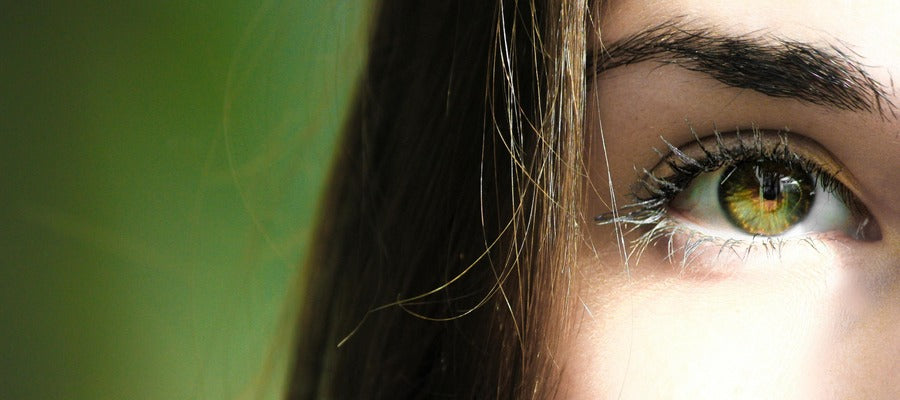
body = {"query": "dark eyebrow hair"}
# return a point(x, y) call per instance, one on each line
point(823, 75)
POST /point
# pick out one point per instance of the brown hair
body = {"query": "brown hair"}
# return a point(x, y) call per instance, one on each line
point(446, 235)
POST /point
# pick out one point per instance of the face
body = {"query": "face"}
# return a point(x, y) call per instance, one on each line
point(765, 263)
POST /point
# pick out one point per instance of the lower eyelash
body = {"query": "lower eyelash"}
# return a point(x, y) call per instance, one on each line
point(694, 243)
point(654, 191)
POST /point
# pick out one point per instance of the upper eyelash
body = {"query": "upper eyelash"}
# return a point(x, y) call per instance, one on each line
point(654, 191)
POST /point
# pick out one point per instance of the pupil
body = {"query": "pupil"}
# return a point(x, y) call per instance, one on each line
point(770, 185)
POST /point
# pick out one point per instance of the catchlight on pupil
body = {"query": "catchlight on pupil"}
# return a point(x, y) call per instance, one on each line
point(765, 197)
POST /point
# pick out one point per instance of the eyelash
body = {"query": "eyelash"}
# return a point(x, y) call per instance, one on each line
point(653, 192)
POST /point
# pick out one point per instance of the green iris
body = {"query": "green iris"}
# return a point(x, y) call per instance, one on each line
point(764, 197)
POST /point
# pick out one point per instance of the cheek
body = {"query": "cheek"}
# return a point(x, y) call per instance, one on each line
point(780, 328)
point(701, 340)
point(862, 350)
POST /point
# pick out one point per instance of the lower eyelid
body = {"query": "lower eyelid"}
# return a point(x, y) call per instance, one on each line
point(686, 222)
point(698, 254)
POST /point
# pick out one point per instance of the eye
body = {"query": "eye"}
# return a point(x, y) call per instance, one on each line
point(738, 187)
point(766, 198)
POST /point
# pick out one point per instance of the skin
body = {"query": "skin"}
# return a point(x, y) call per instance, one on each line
point(810, 322)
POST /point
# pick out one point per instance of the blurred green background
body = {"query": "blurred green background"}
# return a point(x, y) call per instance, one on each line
point(159, 166)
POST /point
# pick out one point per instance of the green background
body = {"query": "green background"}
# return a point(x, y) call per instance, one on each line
point(159, 167)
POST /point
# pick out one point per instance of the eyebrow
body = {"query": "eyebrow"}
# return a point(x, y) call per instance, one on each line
point(825, 75)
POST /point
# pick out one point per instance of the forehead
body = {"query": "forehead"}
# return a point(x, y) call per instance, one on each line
point(869, 27)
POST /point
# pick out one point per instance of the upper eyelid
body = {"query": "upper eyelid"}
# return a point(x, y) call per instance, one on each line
point(759, 141)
